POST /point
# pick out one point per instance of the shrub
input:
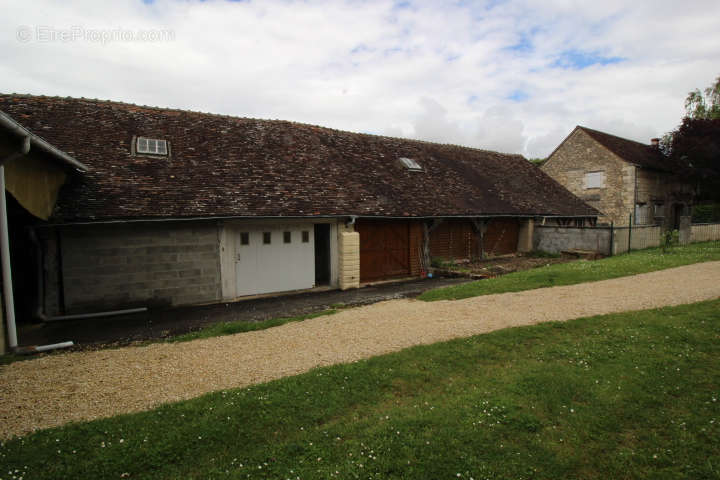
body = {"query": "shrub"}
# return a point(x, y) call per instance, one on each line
point(668, 240)
point(708, 213)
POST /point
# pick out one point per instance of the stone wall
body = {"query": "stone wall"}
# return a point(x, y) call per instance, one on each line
point(348, 257)
point(581, 154)
point(657, 195)
point(705, 232)
point(640, 237)
point(153, 264)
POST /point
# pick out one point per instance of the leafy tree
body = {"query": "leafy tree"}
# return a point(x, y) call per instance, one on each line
point(695, 145)
point(704, 106)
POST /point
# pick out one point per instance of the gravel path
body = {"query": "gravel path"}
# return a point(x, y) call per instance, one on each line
point(80, 386)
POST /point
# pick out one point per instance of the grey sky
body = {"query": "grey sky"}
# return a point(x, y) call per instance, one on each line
point(512, 76)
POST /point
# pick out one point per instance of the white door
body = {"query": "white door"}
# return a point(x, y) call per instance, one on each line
point(274, 259)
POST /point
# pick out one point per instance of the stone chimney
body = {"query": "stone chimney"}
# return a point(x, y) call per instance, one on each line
point(655, 142)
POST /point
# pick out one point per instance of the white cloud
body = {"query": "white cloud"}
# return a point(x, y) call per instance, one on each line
point(440, 71)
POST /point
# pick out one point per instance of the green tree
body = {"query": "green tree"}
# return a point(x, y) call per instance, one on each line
point(699, 105)
point(694, 147)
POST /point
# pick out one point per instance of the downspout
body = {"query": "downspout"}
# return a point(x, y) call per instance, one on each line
point(5, 248)
point(351, 223)
point(6, 267)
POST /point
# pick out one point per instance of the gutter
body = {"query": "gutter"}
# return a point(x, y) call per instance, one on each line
point(18, 130)
point(305, 217)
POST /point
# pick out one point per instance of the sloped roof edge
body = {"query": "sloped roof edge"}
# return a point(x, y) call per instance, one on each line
point(12, 126)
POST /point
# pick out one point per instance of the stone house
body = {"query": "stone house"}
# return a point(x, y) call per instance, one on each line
point(620, 177)
point(181, 207)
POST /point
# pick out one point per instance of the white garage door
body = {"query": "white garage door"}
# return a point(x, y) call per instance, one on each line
point(274, 259)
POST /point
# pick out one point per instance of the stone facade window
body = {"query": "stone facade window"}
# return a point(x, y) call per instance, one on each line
point(594, 180)
point(659, 210)
point(642, 214)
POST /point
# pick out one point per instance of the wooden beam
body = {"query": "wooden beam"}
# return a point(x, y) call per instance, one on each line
point(480, 226)
point(428, 227)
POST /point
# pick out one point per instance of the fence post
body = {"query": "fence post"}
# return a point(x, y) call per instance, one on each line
point(630, 233)
point(612, 238)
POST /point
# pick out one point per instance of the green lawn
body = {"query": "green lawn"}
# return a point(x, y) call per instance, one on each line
point(641, 261)
point(633, 395)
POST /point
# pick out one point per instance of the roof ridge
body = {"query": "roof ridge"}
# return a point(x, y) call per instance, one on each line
point(613, 135)
point(235, 117)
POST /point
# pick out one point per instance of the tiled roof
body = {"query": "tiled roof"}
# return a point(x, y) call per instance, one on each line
point(229, 166)
point(631, 151)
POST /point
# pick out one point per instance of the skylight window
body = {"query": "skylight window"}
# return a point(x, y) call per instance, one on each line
point(410, 164)
point(152, 146)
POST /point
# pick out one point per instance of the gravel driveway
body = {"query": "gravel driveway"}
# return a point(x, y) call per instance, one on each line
point(79, 386)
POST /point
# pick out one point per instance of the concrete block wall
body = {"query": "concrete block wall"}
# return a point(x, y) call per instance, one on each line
point(558, 239)
point(152, 264)
point(348, 258)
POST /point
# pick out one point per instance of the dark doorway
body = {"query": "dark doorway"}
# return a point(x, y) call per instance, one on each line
point(677, 211)
point(322, 254)
point(23, 259)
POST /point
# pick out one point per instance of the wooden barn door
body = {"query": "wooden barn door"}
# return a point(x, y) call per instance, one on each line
point(384, 249)
point(501, 236)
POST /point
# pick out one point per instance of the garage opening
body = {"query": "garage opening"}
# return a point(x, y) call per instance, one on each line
point(322, 254)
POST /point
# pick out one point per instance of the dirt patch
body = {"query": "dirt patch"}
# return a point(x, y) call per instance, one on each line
point(80, 386)
point(493, 267)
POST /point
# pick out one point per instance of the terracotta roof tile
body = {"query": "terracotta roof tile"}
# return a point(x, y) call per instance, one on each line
point(631, 151)
point(229, 166)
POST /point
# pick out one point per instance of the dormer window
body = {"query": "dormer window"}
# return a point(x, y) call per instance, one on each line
point(152, 146)
point(410, 164)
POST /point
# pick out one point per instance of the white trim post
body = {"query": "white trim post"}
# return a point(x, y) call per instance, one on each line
point(6, 271)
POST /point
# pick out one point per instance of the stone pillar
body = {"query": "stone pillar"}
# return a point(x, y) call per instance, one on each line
point(684, 230)
point(525, 236)
point(348, 258)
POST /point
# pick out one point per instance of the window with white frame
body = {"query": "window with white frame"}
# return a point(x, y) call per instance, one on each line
point(594, 180)
point(642, 214)
point(152, 146)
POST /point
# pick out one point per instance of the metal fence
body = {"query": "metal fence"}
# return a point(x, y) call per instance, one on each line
point(635, 237)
